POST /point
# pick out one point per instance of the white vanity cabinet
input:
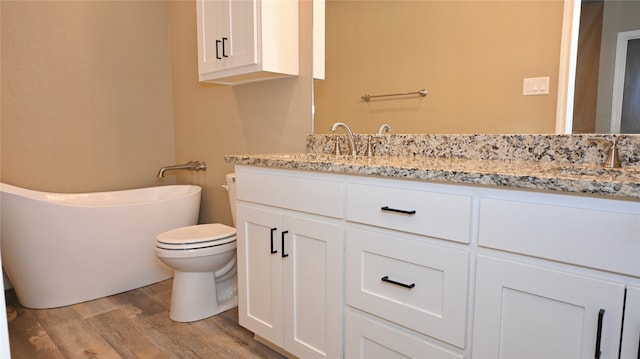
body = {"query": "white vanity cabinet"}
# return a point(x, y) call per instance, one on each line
point(535, 305)
point(242, 41)
point(405, 286)
point(390, 268)
point(290, 261)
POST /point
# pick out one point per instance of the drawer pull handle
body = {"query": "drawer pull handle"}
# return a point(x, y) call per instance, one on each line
point(386, 208)
point(283, 253)
point(386, 279)
point(599, 334)
point(273, 250)
point(224, 53)
point(218, 42)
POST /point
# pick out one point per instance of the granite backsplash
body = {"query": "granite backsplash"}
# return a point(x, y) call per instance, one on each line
point(562, 149)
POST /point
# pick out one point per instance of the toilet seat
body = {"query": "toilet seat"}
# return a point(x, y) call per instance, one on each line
point(196, 237)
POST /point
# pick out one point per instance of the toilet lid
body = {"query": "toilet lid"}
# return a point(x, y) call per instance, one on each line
point(196, 236)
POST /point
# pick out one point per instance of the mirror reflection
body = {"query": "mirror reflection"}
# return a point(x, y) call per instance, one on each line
point(473, 57)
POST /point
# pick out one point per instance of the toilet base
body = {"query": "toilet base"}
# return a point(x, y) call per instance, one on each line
point(196, 295)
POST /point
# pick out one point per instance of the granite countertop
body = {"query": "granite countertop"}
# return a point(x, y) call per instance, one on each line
point(538, 175)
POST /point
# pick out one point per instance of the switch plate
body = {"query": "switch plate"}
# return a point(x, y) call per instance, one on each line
point(535, 86)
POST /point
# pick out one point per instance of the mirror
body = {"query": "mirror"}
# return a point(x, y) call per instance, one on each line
point(471, 56)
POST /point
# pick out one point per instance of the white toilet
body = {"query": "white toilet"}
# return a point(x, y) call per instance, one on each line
point(204, 259)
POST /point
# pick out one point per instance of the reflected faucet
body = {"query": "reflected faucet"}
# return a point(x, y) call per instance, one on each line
point(384, 128)
point(191, 165)
point(352, 145)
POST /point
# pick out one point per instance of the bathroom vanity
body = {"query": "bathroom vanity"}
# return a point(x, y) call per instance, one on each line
point(361, 257)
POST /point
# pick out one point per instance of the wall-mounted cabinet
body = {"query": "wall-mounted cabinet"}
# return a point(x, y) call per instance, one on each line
point(241, 41)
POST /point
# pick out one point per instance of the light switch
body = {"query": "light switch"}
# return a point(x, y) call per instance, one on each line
point(535, 86)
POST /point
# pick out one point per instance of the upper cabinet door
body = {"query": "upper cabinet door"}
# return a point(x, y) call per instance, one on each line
point(225, 34)
point(242, 41)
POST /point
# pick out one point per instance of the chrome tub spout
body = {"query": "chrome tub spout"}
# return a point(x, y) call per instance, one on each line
point(191, 165)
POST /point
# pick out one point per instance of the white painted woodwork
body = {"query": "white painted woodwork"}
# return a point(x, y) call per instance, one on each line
point(260, 286)
point(435, 306)
point(292, 190)
point(597, 233)
point(631, 330)
point(525, 311)
point(368, 338)
point(260, 39)
point(532, 269)
point(440, 215)
point(313, 274)
point(318, 39)
point(295, 301)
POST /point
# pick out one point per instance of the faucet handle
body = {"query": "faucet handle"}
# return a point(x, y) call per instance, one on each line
point(337, 149)
point(369, 152)
point(612, 160)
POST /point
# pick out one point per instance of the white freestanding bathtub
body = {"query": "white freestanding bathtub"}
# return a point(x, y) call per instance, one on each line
point(61, 249)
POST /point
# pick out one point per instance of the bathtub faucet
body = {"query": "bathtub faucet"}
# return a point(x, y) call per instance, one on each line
point(191, 165)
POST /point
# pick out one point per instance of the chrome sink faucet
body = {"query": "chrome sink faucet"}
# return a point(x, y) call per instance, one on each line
point(612, 155)
point(384, 128)
point(352, 145)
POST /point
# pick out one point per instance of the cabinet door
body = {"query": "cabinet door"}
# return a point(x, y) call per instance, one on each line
point(313, 267)
point(260, 272)
point(524, 311)
point(631, 331)
point(226, 34)
point(368, 338)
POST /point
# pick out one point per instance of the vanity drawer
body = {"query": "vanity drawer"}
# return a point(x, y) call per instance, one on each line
point(291, 190)
point(414, 284)
point(435, 214)
point(592, 232)
point(370, 338)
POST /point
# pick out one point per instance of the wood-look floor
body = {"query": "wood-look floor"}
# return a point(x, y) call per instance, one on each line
point(134, 324)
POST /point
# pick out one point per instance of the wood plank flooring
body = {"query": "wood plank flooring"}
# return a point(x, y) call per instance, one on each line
point(134, 324)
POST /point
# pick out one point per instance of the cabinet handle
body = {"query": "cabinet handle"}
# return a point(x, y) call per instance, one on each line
point(273, 250)
point(599, 333)
point(283, 253)
point(386, 279)
point(386, 208)
point(224, 53)
point(218, 49)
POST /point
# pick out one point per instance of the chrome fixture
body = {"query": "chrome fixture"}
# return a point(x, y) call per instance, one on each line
point(384, 128)
point(368, 97)
point(369, 151)
point(612, 156)
point(352, 145)
point(191, 165)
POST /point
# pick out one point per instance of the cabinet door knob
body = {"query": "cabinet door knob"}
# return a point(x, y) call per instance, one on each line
point(408, 286)
point(273, 250)
point(599, 334)
point(283, 253)
point(387, 209)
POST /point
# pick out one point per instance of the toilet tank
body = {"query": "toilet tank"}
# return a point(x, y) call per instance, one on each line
point(231, 189)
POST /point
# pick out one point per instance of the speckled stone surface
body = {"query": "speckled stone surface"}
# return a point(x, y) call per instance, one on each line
point(565, 163)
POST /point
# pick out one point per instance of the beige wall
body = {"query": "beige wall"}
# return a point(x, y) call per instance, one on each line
point(86, 94)
point(213, 120)
point(470, 55)
point(100, 95)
